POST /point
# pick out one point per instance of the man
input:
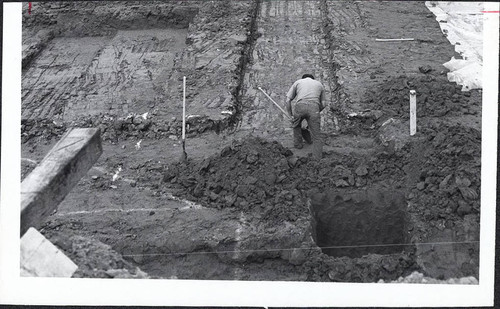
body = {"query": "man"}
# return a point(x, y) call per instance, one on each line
point(310, 100)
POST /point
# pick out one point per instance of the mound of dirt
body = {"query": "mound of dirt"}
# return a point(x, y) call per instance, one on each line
point(261, 176)
point(447, 175)
point(435, 96)
point(41, 130)
point(369, 268)
point(248, 175)
point(116, 129)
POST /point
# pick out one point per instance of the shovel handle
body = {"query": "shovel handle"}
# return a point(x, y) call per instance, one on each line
point(281, 109)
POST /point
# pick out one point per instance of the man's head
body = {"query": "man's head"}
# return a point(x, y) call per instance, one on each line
point(308, 75)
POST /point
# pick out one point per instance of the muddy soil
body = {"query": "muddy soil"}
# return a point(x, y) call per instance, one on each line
point(246, 205)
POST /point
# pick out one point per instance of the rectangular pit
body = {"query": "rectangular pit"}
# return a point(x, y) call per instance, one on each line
point(360, 223)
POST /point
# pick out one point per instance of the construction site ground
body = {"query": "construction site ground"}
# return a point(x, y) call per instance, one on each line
point(246, 205)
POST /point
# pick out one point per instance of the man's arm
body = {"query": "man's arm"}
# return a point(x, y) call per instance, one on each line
point(288, 105)
point(322, 99)
point(290, 95)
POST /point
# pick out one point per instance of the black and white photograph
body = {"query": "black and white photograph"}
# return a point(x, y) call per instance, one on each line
point(259, 141)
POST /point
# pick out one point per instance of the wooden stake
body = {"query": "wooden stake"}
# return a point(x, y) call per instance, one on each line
point(184, 154)
point(413, 112)
point(184, 108)
point(61, 169)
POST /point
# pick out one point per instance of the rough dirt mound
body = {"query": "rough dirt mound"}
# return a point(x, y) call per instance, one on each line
point(447, 175)
point(248, 175)
point(257, 175)
point(440, 171)
point(41, 130)
point(435, 96)
point(116, 129)
point(368, 268)
point(147, 126)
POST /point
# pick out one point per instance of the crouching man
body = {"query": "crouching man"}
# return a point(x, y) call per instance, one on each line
point(310, 98)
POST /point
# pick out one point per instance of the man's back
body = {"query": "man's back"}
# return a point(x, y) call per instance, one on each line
point(306, 89)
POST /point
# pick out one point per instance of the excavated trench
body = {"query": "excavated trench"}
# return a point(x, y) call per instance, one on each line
point(360, 223)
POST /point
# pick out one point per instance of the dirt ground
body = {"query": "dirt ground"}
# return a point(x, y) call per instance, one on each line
point(379, 205)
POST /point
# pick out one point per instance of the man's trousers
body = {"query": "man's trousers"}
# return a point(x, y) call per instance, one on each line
point(308, 110)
